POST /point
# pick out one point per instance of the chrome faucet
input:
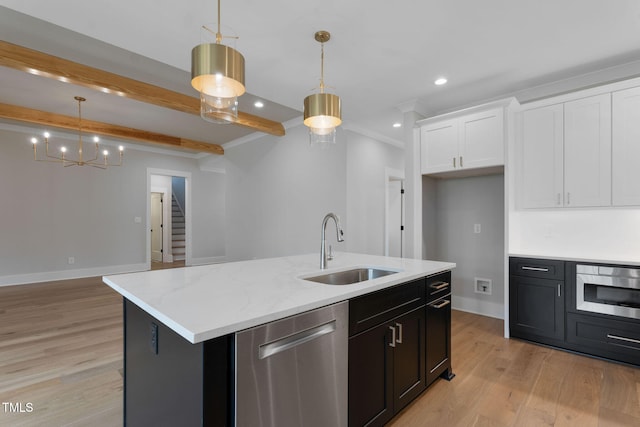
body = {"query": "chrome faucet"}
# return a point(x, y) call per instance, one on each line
point(339, 233)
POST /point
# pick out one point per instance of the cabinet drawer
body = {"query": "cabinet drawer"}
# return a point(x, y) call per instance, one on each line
point(613, 339)
point(532, 267)
point(438, 286)
point(372, 309)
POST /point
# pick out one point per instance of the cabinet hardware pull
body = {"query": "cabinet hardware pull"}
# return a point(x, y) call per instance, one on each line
point(442, 304)
point(461, 165)
point(615, 337)
point(568, 198)
point(454, 162)
point(545, 270)
point(559, 290)
point(438, 285)
point(558, 202)
point(399, 340)
point(393, 336)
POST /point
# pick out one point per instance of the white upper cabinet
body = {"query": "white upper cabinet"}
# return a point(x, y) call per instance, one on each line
point(464, 140)
point(565, 154)
point(626, 147)
point(540, 131)
point(587, 151)
point(439, 146)
point(482, 139)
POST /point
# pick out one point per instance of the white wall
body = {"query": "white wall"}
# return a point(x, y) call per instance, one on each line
point(50, 213)
point(367, 161)
point(451, 208)
point(605, 235)
point(279, 190)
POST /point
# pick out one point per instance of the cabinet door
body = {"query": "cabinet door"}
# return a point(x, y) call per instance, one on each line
point(438, 339)
point(587, 151)
point(482, 139)
point(439, 147)
point(409, 357)
point(371, 377)
point(536, 308)
point(541, 156)
point(626, 148)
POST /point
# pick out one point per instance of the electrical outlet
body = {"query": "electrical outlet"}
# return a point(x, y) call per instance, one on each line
point(477, 228)
point(71, 260)
point(154, 338)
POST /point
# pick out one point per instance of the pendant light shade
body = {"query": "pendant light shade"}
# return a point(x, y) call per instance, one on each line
point(322, 111)
point(217, 72)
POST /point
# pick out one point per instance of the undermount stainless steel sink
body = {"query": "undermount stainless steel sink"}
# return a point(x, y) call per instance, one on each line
point(349, 277)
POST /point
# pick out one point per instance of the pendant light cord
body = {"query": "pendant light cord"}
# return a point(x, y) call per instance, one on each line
point(219, 33)
point(321, 67)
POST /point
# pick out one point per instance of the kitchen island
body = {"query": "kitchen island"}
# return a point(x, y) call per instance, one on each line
point(180, 325)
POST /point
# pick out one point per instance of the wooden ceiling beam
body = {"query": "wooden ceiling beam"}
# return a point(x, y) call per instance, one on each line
point(14, 112)
point(42, 64)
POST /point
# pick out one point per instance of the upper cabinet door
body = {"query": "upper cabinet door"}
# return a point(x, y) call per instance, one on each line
point(482, 139)
point(626, 147)
point(587, 151)
point(439, 147)
point(541, 157)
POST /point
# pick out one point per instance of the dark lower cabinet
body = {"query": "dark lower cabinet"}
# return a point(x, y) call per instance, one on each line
point(386, 368)
point(599, 336)
point(438, 340)
point(409, 358)
point(370, 377)
point(543, 308)
point(537, 300)
point(438, 322)
point(398, 344)
point(171, 382)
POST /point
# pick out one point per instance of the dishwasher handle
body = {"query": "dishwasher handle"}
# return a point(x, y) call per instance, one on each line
point(283, 344)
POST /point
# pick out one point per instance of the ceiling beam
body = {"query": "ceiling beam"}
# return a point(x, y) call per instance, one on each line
point(14, 112)
point(42, 64)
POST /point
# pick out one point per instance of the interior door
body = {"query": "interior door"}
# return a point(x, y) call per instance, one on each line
point(156, 227)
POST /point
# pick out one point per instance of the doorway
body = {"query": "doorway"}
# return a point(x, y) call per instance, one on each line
point(394, 213)
point(169, 218)
point(156, 226)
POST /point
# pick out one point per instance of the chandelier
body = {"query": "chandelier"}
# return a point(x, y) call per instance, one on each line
point(322, 111)
point(99, 160)
point(217, 72)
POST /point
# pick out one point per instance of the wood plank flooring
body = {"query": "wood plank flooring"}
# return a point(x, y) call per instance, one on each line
point(61, 351)
point(502, 382)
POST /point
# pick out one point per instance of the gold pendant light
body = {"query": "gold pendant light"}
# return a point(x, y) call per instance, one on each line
point(217, 72)
point(99, 160)
point(322, 111)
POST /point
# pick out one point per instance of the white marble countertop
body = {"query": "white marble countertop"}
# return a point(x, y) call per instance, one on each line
point(208, 301)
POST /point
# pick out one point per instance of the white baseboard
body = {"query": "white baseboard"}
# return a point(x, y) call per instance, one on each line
point(208, 260)
point(22, 279)
point(477, 306)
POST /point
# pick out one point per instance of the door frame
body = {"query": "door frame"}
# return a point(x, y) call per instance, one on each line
point(163, 193)
point(187, 208)
point(389, 176)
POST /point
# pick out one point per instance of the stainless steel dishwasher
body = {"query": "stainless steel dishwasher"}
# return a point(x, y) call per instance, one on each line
point(293, 372)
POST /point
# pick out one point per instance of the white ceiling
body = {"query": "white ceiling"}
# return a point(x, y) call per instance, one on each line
point(381, 55)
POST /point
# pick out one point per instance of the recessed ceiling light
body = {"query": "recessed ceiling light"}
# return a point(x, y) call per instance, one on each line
point(258, 104)
point(440, 81)
point(397, 125)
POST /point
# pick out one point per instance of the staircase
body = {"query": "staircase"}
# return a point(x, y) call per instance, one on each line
point(178, 233)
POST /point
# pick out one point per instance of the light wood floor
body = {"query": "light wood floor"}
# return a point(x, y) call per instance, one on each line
point(61, 351)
